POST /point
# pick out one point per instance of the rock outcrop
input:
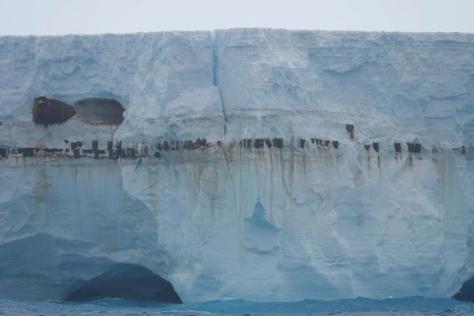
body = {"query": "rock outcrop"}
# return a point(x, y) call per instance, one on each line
point(127, 281)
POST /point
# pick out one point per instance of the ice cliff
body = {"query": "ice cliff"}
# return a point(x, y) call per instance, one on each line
point(341, 218)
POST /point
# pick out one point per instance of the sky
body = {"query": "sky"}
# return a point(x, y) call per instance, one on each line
point(53, 17)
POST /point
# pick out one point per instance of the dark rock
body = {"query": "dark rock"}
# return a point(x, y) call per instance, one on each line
point(350, 130)
point(278, 143)
point(375, 146)
point(414, 148)
point(127, 281)
point(246, 143)
point(302, 142)
point(95, 148)
point(249, 143)
point(201, 143)
point(466, 293)
point(189, 144)
point(77, 153)
point(76, 145)
point(268, 142)
point(417, 148)
point(53, 150)
point(50, 111)
point(27, 151)
point(317, 141)
point(174, 145)
point(398, 147)
point(258, 143)
point(118, 152)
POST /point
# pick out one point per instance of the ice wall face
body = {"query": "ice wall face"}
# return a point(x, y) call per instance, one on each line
point(156, 76)
point(392, 86)
point(231, 221)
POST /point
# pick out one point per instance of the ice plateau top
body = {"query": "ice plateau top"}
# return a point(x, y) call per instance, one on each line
point(243, 221)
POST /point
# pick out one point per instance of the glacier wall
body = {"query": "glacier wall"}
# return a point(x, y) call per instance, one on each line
point(234, 222)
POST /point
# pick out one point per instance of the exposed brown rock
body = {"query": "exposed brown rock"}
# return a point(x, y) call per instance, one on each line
point(375, 146)
point(350, 130)
point(50, 111)
point(398, 147)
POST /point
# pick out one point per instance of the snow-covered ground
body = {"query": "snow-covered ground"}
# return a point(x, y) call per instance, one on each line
point(261, 224)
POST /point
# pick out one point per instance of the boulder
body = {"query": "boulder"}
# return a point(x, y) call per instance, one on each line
point(466, 293)
point(50, 111)
point(127, 281)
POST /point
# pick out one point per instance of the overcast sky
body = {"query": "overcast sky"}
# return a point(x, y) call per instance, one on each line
point(21, 17)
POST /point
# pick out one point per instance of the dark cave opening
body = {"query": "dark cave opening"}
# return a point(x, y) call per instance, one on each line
point(99, 111)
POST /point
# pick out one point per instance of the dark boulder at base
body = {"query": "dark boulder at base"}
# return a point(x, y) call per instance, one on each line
point(127, 281)
point(466, 293)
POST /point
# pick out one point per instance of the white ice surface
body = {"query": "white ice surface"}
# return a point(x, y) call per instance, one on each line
point(264, 224)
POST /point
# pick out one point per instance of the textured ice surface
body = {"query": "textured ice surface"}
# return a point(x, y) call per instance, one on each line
point(264, 224)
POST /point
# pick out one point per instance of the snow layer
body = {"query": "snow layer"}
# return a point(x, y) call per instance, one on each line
point(260, 224)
